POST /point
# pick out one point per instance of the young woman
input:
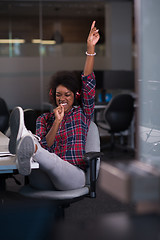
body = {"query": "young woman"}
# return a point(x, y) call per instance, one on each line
point(62, 133)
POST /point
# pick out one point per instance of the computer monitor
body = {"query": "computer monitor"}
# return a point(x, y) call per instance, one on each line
point(118, 79)
point(99, 74)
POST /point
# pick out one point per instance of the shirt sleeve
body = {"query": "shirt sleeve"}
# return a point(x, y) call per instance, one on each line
point(88, 94)
point(41, 130)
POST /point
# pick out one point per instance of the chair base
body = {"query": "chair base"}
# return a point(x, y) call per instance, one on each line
point(113, 145)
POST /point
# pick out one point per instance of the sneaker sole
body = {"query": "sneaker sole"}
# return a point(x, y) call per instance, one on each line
point(25, 151)
point(16, 123)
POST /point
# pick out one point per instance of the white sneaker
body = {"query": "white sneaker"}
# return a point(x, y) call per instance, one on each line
point(17, 128)
point(24, 153)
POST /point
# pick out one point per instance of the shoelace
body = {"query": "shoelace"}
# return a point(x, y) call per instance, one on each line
point(35, 136)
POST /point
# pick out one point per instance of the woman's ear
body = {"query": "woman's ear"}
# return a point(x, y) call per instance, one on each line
point(78, 95)
point(51, 92)
point(51, 99)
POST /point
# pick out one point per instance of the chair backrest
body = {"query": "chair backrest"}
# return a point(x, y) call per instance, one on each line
point(120, 111)
point(4, 116)
point(93, 145)
point(30, 118)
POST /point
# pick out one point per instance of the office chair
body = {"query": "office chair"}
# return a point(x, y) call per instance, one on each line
point(117, 116)
point(4, 116)
point(65, 198)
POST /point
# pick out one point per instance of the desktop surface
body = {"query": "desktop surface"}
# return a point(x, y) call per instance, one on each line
point(8, 160)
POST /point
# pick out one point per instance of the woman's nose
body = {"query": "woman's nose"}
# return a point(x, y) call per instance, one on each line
point(62, 98)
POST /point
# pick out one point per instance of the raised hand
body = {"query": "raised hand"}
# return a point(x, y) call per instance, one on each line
point(93, 36)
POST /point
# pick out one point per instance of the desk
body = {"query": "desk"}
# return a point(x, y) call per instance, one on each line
point(98, 107)
point(8, 161)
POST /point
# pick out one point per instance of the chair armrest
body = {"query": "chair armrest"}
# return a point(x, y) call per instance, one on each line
point(103, 125)
point(91, 159)
point(89, 156)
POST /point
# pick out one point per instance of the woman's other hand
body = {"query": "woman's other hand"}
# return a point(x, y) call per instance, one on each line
point(59, 113)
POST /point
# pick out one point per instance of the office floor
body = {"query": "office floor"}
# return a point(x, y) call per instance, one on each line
point(89, 208)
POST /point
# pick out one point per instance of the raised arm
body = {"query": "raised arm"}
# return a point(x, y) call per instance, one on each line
point(92, 40)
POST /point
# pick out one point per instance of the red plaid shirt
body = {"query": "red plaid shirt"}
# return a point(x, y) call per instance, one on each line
point(70, 139)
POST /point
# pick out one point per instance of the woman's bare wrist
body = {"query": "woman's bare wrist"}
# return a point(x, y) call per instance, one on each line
point(90, 49)
point(57, 122)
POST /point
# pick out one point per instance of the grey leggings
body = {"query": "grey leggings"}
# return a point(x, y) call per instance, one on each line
point(55, 172)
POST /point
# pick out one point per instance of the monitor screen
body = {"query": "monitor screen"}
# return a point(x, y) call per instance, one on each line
point(118, 79)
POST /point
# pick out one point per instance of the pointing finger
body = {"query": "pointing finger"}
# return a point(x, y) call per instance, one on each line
point(93, 24)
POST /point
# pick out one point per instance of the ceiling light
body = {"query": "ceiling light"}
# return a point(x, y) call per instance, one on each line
point(12, 41)
point(47, 42)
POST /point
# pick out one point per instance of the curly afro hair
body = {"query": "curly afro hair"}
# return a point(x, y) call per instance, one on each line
point(67, 79)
